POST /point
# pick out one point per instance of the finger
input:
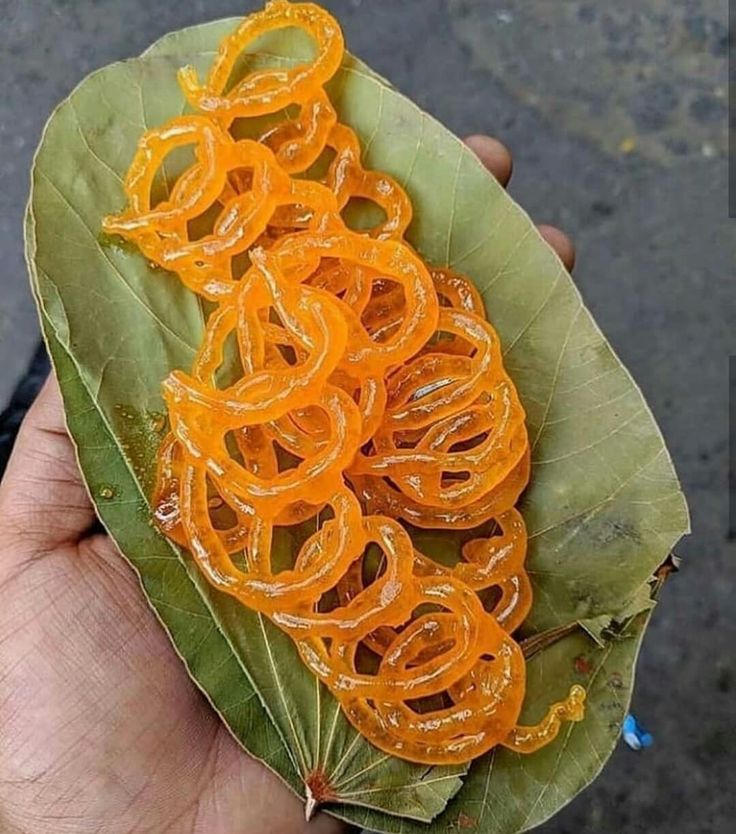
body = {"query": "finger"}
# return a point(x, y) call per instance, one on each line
point(496, 157)
point(493, 154)
point(43, 501)
point(561, 243)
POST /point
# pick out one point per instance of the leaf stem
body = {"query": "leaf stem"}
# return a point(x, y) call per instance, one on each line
point(537, 642)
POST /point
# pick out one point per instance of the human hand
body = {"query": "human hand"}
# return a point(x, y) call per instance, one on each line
point(497, 159)
point(101, 729)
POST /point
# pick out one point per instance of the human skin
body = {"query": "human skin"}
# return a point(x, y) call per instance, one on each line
point(101, 729)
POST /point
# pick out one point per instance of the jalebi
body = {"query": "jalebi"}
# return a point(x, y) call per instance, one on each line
point(368, 393)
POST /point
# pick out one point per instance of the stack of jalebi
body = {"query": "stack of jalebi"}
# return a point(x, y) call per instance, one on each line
point(371, 394)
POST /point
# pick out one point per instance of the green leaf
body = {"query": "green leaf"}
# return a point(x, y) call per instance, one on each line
point(603, 510)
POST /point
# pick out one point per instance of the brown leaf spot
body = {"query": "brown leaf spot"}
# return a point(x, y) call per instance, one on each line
point(464, 821)
point(319, 790)
point(616, 680)
point(582, 665)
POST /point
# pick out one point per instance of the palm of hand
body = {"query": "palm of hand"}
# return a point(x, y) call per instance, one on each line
point(101, 730)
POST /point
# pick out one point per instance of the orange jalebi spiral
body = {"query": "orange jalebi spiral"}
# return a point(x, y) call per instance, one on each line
point(341, 384)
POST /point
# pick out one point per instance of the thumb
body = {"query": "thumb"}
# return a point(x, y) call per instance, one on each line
point(43, 501)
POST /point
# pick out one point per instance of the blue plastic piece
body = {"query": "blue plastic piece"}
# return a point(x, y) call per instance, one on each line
point(636, 736)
